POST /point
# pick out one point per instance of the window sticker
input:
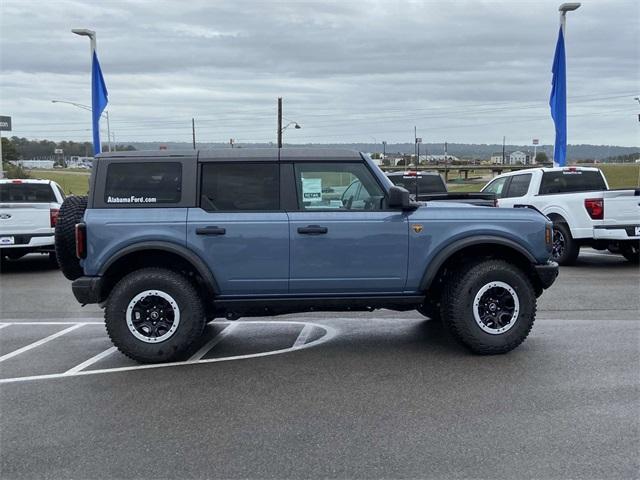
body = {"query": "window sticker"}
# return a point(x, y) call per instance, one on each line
point(312, 190)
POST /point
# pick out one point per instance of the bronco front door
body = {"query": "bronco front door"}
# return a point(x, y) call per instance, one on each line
point(343, 239)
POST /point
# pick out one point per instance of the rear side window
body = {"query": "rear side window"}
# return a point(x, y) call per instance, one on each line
point(26, 193)
point(566, 181)
point(143, 183)
point(519, 185)
point(240, 187)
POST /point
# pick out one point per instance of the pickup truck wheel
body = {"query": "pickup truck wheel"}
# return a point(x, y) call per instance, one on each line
point(631, 251)
point(490, 307)
point(565, 249)
point(71, 212)
point(154, 315)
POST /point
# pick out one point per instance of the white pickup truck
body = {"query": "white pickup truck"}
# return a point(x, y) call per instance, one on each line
point(583, 209)
point(28, 214)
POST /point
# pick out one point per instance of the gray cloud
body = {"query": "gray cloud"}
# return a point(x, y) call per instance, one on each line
point(463, 71)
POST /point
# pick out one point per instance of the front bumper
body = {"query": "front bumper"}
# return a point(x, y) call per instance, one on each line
point(87, 289)
point(547, 273)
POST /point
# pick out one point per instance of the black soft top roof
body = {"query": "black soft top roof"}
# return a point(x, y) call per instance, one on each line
point(244, 154)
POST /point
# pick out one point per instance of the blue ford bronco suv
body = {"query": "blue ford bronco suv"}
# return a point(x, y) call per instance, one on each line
point(167, 241)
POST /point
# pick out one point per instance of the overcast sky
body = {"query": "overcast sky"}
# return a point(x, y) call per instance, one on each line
point(461, 71)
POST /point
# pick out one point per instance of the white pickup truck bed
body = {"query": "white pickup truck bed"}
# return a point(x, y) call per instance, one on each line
point(28, 212)
point(579, 202)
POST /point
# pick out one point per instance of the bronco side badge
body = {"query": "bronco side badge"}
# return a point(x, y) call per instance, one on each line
point(416, 227)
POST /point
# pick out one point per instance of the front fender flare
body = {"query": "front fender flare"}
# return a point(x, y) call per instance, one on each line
point(445, 253)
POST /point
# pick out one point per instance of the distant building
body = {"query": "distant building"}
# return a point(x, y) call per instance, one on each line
point(518, 157)
point(496, 158)
point(33, 164)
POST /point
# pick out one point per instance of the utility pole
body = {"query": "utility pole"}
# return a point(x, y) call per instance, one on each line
point(503, 140)
point(415, 142)
point(279, 122)
point(193, 132)
point(384, 149)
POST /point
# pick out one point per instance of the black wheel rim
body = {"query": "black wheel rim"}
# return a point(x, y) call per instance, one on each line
point(496, 307)
point(153, 316)
point(559, 244)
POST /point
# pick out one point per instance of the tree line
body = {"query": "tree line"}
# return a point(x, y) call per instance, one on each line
point(19, 148)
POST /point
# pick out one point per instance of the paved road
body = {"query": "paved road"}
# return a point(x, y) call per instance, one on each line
point(388, 396)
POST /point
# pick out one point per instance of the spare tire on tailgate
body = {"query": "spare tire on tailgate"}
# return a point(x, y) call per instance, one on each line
point(71, 213)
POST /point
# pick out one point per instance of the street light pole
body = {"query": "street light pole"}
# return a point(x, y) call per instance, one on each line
point(563, 9)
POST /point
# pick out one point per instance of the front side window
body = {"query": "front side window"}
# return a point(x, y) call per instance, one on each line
point(519, 185)
point(497, 186)
point(337, 186)
point(143, 183)
point(240, 187)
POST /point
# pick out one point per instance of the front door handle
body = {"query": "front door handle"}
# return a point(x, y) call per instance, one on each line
point(313, 230)
point(210, 230)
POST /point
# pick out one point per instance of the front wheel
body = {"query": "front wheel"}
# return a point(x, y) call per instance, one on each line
point(154, 315)
point(490, 307)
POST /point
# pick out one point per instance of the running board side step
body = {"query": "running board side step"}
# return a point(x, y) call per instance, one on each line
point(233, 308)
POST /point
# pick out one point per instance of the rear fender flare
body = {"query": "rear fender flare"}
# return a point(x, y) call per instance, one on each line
point(198, 264)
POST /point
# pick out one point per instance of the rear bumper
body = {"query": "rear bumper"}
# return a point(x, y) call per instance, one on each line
point(547, 273)
point(87, 289)
point(616, 232)
point(45, 241)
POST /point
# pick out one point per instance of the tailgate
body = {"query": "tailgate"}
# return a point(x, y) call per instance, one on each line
point(621, 207)
point(25, 218)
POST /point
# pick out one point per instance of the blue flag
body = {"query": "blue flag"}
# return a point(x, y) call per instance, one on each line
point(98, 101)
point(558, 102)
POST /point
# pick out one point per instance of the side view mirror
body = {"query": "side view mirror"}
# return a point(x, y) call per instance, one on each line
point(399, 198)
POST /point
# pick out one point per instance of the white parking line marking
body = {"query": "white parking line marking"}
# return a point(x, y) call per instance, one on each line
point(91, 361)
point(212, 343)
point(40, 342)
point(3, 325)
point(330, 333)
point(19, 322)
point(304, 335)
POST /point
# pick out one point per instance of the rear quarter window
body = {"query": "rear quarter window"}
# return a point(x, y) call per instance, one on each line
point(143, 183)
point(568, 181)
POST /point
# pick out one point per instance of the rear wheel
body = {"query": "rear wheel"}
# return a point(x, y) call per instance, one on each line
point(631, 251)
point(490, 307)
point(565, 249)
point(154, 315)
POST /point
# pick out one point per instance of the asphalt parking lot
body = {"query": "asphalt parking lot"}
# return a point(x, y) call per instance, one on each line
point(380, 395)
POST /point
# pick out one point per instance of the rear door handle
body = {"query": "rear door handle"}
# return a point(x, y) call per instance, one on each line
point(313, 230)
point(210, 230)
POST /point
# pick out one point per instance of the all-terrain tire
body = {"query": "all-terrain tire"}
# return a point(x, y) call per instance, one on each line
point(457, 306)
point(186, 306)
point(565, 248)
point(71, 213)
